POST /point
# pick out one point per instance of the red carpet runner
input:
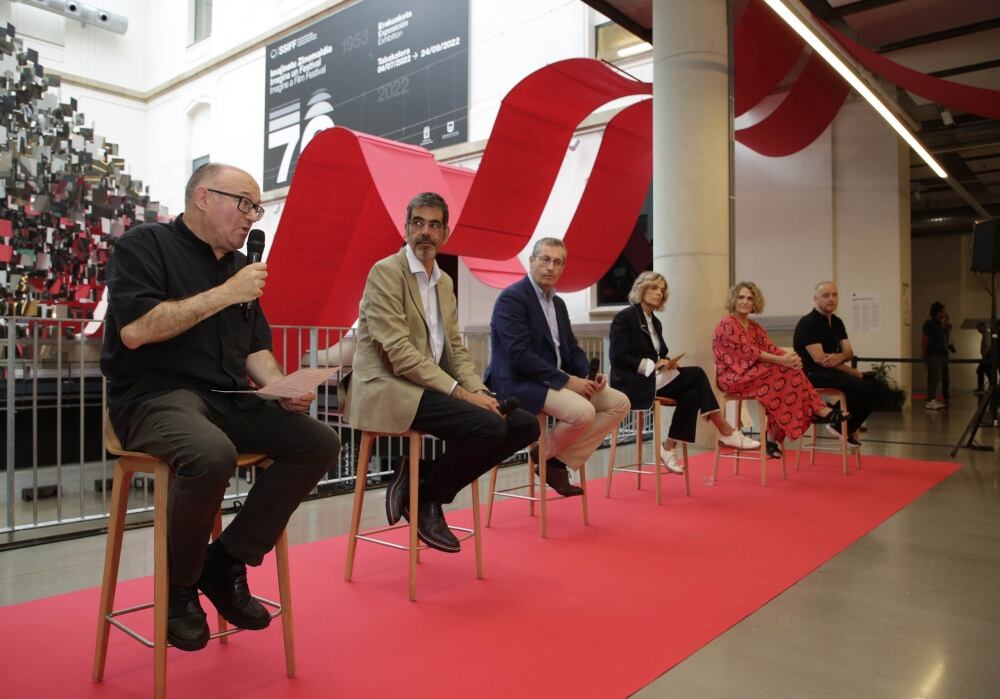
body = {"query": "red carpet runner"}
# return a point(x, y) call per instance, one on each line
point(594, 611)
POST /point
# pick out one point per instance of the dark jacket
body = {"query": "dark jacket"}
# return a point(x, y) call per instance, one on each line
point(524, 354)
point(631, 342)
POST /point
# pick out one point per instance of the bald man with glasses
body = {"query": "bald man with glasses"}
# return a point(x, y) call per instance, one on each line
point(176, 346)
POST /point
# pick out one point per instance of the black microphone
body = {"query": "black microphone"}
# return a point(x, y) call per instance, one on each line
point(595, 366)
point(508, 405)
point(255, 252)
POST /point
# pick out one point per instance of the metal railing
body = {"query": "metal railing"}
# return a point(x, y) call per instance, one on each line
point(56, 474)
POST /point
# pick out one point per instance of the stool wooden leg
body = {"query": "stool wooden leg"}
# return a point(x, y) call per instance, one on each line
point(543, 487)
point(161, 579)
point(784, 473)
point(611, 461)
point(112, 559)
point(843, 443)
point(639, 415)
point(657, 459)
point(687, 471)
point(493, 488)
point(531, 476)
point(477, 532)
point(583, 484)
point(718, 444)
point(763, 451)
point(802, 446)
point(361, 477)
point(285, 596)
point(762, 417)
point(812, 447)
point(216, 533)
point(414, 499)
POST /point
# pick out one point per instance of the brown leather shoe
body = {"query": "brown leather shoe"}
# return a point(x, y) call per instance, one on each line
point(556, 475)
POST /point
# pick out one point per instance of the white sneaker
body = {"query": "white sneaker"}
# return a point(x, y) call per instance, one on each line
point(738, 440)
point(669, 458)
point(934, 404)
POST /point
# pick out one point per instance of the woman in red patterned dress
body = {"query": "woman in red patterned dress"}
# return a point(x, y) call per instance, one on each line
point(748, 364)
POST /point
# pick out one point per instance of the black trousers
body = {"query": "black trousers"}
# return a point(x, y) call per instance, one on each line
point(200, 436)
point(983, 373)
point(937, 372)
point(862, 394)
point(475, 440)
point(694, 395)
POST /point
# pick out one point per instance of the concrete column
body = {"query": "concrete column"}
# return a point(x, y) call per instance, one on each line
point(691, 173)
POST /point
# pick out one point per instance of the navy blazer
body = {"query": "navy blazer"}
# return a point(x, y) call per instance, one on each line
point(523, 362)
point(631, 342)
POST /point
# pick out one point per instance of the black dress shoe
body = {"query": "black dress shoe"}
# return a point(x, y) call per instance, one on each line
point(773, 450)
point(556, 475)
point(433, 530)
point(224, 582)
point(186, 625)
point(397, 495)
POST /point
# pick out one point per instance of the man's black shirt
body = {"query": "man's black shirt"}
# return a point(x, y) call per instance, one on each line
point(157, 262)
point(814, 328)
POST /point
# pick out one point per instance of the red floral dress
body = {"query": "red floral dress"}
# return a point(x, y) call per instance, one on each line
point(788, 398)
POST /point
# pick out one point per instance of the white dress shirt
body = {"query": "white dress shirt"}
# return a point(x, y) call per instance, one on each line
point(428, 296)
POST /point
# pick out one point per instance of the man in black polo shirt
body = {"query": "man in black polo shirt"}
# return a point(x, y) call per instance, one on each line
point(175, 336)
point(821, 340)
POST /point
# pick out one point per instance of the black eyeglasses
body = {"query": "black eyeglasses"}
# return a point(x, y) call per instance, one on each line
point(419, 223)
point(244, 205)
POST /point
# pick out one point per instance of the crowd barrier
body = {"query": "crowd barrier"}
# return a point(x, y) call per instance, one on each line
point(53, 398)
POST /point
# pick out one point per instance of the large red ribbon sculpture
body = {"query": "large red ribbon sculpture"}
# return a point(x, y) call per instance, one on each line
point(346, 204)
point(348, 197)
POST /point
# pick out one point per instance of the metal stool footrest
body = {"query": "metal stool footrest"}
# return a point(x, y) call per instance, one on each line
point(128, 630)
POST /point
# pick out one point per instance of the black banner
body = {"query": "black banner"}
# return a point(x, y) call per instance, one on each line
point(398, 69)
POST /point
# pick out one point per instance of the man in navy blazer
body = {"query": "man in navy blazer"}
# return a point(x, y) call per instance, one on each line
point(537, 359)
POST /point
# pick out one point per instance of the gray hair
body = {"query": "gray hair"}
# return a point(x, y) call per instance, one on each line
point(429, 199)
point(198, 177)
point(542, 242)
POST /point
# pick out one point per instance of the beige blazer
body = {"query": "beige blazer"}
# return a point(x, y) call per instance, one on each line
point(393, 360)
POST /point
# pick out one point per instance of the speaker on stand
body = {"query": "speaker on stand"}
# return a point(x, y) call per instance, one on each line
point(985, 259)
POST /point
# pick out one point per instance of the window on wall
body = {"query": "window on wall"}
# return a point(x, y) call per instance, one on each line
point(636, 257)
point(201, 19)
point(199, 161)
point(615, 43)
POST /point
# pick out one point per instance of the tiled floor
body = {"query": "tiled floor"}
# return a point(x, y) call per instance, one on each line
point(910, 610)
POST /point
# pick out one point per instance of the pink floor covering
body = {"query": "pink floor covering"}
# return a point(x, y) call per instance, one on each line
point(594, 611)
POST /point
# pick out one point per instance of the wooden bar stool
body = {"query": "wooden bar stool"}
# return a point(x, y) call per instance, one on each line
point(845, 449)
point(637, 468)
point(414, 546)
point(130, 462)
point(542, 498)
point(735, 454)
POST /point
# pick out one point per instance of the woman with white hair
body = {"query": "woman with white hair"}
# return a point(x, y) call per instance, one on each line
point(641, 368)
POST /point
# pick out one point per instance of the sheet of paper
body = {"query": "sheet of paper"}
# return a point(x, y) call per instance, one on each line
point(297, 383)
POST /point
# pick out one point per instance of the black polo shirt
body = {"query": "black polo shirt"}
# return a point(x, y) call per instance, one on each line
point(937, 338)
point(814, 328)
point(157, 262)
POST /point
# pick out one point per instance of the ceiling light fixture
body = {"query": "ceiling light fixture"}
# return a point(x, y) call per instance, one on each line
point(854, 80)
point(634, 49)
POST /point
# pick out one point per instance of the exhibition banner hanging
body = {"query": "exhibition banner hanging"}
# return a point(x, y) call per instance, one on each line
point(398, 69)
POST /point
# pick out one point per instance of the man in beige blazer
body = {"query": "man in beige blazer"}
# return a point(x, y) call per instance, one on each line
point(411, 370)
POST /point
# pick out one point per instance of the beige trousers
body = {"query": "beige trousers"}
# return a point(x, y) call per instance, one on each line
point(581, 424)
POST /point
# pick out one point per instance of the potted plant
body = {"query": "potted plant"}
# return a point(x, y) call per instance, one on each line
point(893, 397)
